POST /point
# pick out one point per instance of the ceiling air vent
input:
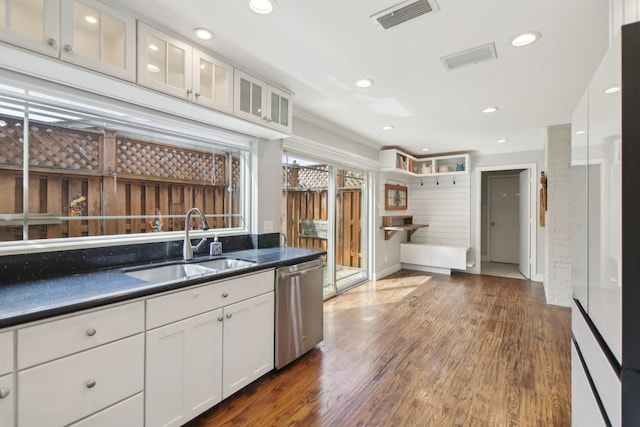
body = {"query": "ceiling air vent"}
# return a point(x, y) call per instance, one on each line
point(475, 55)
point(403, 12)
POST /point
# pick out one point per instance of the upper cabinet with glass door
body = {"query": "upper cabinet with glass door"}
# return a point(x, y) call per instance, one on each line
point(260, 102)
point(164, 62)
point(32, 24)
point(98, 37)
point(212, 82)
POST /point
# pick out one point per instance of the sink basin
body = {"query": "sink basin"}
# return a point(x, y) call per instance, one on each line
point(182, 270)
point(168, 273)
point(226, 263)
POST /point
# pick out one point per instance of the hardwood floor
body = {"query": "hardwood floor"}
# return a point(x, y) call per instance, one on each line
point(416, 349)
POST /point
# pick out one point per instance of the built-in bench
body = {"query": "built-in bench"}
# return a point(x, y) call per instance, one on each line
point(434, 258)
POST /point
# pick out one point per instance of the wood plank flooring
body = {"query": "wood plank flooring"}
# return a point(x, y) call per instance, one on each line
point(416, 349)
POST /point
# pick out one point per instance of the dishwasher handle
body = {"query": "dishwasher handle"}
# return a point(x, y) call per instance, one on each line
point(300, 272)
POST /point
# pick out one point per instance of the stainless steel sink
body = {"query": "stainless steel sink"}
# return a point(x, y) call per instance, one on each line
point(168, 273)
point(183, 270)
point(222, 264)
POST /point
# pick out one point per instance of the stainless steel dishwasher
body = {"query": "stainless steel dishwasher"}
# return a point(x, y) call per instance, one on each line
point(299, 317)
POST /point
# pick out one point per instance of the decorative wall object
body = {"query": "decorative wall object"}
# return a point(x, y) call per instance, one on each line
point(395, 197)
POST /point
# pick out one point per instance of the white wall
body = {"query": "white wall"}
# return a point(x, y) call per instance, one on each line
point(557, 282)
point(622, 12)
point(267, 186)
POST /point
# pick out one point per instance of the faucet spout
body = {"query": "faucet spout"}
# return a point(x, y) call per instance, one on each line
point(188, 248)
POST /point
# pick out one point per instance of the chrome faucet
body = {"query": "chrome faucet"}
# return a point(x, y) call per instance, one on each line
point(187, 251)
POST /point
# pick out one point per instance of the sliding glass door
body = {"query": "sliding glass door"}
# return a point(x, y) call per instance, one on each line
point(324, 207)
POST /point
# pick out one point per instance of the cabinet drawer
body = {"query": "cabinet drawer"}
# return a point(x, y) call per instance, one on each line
point(65, 390)
point(127, 413)
point(48, 341)
point(180, 305)
point(6, 352)
point(7, 415)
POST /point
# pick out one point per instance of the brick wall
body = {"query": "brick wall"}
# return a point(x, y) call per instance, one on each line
point(557, 282)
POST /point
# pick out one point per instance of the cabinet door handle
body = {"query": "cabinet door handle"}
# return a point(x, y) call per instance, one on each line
point(51, 41)
point(91, 332)
point(225, 294)
point(91, 383)
point(4, 392)
point(197, 94)
point(189, 92)
point(68, 48)
point(229, 315)
point(220, 318)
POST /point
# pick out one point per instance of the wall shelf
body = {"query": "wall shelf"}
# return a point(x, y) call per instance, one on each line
point(393, 223)
point(393, 160)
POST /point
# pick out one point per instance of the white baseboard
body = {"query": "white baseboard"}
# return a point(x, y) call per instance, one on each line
point(538, 278)
point(387, 271)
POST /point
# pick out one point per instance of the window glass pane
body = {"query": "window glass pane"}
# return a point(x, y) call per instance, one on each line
point(176, 76)
point(256, 100)
point(86, 31)
point(157, 59)
point(206, 79)
point(93, 176)
point(275, 108)
point(113, 41)
point(3, 14)
point(221, 86)
point(27, 17)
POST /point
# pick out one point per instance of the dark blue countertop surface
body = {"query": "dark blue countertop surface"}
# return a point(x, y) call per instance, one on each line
point(35, 299)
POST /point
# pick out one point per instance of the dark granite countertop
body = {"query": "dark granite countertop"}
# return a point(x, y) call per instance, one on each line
point(36, 299)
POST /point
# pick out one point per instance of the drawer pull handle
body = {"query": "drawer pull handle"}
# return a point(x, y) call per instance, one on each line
point(91, 332)
point(68, 48)
point(91, 383)
point(51, 42)
point(229, 316)
point(225, 294)
point(220, 318)
point(196, 294)
point(4, 392)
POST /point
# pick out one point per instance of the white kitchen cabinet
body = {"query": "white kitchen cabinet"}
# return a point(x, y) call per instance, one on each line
point(6, 352)
point(67, 389)
point(248, 348)
point(183, 369)
point(164, 62)
point(129, 412)
point(96, 36)
point(262, 103)
point(33, 24)
point(7, 400)
point(212, 82)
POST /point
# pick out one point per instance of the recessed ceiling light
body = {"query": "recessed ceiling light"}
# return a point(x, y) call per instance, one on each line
point(153, 47)
point(153, 68)
point(91, 19)
point(426, 149)
point(500, 141)
point(364, 83)
point(490, 110)
point(612, 89)
point(525, 39)
point(263, 7)
point(579, 132)
point(203, 33)
point(388, 127)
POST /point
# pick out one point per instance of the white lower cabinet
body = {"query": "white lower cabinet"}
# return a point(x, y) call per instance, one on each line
point(248, 342)
point(184, 369)
point(7, 400)
point(129, 412)
point(68, 389)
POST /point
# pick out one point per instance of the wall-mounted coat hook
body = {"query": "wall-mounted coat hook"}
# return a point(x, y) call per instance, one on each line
point(454, 180)
point(437, 183)
point(421, 183)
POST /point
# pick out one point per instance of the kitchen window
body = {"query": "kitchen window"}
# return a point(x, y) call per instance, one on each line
point(74, 172)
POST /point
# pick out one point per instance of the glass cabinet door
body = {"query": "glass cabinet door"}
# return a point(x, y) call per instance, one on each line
point(98, 37)
point(250, 94)
point(32, 24)
point(164, 63)
point(279, 109)
point(213, 83)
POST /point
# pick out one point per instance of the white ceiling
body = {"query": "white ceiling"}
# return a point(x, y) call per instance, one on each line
point(318, 49)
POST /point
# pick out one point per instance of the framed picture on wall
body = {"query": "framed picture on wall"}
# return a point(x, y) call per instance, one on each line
point(395, 197)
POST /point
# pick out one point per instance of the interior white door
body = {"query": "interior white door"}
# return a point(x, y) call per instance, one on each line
point(503, 225)
point(524, 227)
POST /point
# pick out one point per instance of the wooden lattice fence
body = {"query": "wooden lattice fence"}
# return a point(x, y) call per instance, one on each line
point(117, 176)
